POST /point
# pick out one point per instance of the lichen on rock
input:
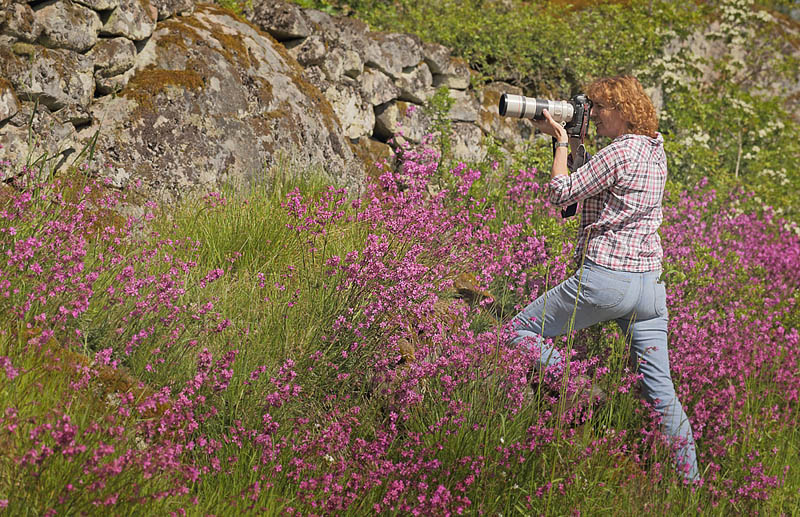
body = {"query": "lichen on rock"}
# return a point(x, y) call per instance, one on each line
point(134, 19)
point(56, 77)
point(213, 98)
point(9, 103)
point(68, 25)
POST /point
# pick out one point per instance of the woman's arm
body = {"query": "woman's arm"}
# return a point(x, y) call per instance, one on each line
point(556, 130)
point(598, 174)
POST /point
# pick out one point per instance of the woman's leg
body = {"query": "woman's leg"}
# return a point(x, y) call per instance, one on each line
point(649, 343)
point(591, 295)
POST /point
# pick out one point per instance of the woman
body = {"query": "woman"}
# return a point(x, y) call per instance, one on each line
point(618, 251)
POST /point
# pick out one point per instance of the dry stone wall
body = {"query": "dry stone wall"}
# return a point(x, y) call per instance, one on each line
point(376, 81)
point(185, 96)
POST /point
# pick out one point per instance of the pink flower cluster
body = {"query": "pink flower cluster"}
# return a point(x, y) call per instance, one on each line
point(344, 421)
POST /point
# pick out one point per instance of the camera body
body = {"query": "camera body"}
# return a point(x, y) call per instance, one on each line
point(573, 114)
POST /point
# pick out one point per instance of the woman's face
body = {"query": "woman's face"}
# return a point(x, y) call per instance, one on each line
point(608, 119)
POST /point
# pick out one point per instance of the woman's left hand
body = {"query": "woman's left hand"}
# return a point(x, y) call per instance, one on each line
point(557, 129)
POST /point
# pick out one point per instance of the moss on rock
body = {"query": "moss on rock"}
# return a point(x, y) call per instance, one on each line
point(148, 83)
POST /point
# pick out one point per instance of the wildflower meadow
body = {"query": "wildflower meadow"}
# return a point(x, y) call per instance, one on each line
point(295, 349)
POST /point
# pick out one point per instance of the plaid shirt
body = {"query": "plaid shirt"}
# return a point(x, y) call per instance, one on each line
point(621, 189)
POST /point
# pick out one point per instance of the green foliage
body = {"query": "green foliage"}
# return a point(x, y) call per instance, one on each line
point(438, 109)
point(236, 6)
point(546, 49)
point(722, 117)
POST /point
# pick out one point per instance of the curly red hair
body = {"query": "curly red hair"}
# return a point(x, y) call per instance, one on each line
point(625, 93)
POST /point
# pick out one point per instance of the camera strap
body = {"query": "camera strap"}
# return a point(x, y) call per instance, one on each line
point(572, 209)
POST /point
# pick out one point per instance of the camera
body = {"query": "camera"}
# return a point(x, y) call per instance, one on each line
point(572, 114)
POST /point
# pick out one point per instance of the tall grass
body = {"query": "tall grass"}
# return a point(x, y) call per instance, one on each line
point(294, 350)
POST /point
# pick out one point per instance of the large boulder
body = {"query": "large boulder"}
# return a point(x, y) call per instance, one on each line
point(214, 99)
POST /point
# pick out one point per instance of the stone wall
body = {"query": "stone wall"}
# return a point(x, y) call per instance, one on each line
point(184, 96)
point(376, 81)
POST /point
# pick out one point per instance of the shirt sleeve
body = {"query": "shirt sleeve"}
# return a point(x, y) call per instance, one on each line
point(598, 174)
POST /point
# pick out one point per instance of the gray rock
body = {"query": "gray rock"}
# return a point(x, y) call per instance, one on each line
point(393, 54)
point(55, 141)
point(376, 155)
point(68, 25)
point(495, 89)
point(352, 64)
point(308, 51)
point(21, 23)
point(376, 87)
point(99, 5)
point(401, 121)
point(339, 63)
point(74, 114)
point(455, 76)
point(115, 84)
point(134, 19)
point(417, 85)
point(213, 100)
point(356, 116)
point(344, 32)
point(167, 8)
point(9, 104)
point(56, 77)
point(4, 7)
point(436, 56)
point(465, 108)
point(281, 19)
point(321, 22)
point(467, 142)
point(316, 76)
point(113, 56)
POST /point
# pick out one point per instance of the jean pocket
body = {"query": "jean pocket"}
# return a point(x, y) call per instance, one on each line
point(605, 289)
point(660, 299)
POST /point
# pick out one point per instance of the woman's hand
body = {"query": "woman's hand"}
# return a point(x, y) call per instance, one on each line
point(550, 127)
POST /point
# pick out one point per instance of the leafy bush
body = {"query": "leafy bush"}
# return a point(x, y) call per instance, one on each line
point(721, 116)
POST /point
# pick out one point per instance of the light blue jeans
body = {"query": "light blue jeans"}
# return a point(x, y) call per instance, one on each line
point(638, 303)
